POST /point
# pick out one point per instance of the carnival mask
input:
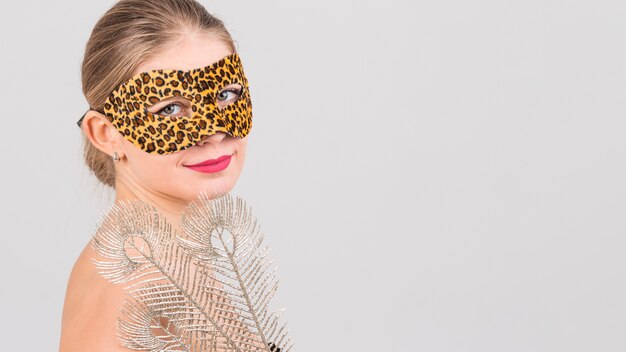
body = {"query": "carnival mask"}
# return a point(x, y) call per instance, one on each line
point(203, 88)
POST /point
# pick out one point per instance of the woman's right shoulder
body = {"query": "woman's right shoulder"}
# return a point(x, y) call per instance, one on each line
point(90, 309)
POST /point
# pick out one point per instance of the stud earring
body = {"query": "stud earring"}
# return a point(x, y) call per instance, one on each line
point(116, 158)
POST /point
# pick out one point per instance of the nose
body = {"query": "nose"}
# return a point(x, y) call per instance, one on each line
point(215, 138)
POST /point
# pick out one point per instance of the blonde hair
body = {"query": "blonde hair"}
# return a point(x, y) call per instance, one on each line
point(126, 35)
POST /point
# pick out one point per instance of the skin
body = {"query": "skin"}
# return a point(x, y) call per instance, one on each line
point(91, 303)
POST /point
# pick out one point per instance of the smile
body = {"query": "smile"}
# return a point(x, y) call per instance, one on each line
point(211, 165)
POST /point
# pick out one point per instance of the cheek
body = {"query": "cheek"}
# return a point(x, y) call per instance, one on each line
point(153, 169)
point(242, 146)
point(241, 152)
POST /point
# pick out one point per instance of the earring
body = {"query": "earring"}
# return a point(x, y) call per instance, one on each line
point(116, 158)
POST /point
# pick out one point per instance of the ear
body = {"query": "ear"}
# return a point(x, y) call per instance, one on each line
point(101, 132)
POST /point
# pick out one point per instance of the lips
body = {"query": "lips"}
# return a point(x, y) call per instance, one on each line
point(211, 161)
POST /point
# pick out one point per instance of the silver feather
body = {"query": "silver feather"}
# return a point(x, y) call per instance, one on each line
point(205, 289)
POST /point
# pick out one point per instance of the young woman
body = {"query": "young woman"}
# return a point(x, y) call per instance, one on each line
point(154, 152)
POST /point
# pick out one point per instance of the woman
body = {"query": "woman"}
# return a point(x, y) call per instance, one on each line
point(133, 38)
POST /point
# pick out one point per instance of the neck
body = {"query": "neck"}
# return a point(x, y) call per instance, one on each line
point(170, 207)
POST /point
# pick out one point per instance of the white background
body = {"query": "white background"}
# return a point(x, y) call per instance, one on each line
point(431, 176)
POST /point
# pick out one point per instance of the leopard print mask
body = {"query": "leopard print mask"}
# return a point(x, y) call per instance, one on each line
point(127, 106)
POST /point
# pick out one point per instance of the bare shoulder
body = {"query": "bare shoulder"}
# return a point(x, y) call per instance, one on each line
point(90, 310)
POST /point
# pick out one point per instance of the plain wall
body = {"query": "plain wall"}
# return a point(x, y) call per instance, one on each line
point(431, 175)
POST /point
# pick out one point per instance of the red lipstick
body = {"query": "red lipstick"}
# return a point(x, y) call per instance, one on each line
point(211, 165)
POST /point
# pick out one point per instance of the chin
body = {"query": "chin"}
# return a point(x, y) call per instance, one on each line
point(213, 188)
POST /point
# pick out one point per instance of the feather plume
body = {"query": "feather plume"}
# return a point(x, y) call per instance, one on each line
point(205, 289)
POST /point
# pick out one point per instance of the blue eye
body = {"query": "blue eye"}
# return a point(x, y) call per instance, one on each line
point(170, 109)
point(229, 94)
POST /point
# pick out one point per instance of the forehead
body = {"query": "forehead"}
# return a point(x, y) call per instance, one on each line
point(185, 53)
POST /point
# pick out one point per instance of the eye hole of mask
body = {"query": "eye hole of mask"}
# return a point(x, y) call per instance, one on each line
point(181, 107)
point(229, 94)
point(174, 106)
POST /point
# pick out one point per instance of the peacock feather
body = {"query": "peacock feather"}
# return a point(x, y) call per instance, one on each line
point(206, 287)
